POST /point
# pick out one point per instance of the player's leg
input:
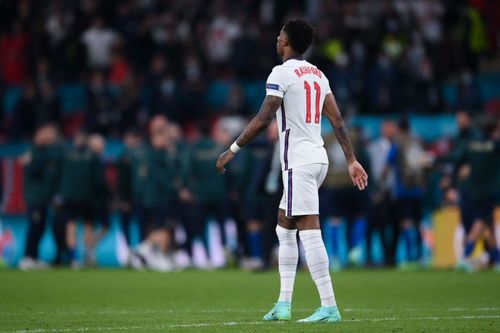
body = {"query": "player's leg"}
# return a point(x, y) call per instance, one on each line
point(410, 216)
point(417, 218)
point(37, 217)
point(104, 219)
point(288, 256)
point(317, 262)
point(389, 228)
point(143, 255)
point(189, 220)
point(270, 218)
point(162, 239)
point(307, 181)
point(359, 206)
point(59, 231)
point(254, 226)
point(479, 216)
point(89, 240)
point(475, 233)
point(288, 253)
point(491, 241)
point(467, 219)
point(333, 210)
point(144, 218)
point(377, 221)
point(71, 242)
point(487, 216)
point(125, 221)
point(95, 228)
point(71, 215)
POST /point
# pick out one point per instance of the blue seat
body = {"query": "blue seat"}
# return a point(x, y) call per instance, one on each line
point(12, 95)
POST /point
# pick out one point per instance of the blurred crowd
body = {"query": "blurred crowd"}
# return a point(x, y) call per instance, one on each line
point(170, 185)
point(148, 68)
point(139, 58)
point(162, 181)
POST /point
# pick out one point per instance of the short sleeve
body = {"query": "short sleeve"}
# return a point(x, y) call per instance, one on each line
point(328, 89)
point(276, 83)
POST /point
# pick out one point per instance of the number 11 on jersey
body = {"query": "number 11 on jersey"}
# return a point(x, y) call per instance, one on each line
point(317, 89)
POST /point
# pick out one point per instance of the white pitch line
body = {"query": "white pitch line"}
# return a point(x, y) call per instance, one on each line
point(479, 309)
point(426, 318)
point(237, 310)
point(196, 325)
point(474, 309)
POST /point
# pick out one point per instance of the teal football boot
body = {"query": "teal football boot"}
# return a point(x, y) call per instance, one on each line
point(281, 311)
point(324, 314)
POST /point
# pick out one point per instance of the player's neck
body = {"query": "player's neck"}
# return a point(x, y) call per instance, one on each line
point(292, 55)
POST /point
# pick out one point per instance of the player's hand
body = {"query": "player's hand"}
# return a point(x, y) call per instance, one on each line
point(358, 175)
point(224, 159)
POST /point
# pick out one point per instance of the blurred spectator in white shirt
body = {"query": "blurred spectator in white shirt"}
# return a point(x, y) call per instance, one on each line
point(99, 41)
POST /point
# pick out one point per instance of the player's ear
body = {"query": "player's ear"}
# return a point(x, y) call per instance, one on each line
point(285, 40)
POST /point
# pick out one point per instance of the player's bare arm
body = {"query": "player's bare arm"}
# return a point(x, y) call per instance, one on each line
point(331, 111)
point(258, 124)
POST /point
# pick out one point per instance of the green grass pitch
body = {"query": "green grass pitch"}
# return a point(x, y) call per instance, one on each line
point(234, 301)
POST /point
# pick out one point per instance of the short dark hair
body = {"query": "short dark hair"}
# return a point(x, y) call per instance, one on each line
point(300, 34)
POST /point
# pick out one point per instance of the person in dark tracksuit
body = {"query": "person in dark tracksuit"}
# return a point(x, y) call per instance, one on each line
point(101, 201)
point(409, 161)
point(340, 200)
point(253, 203)
point(383, 217)
point(458, 186)
point(266, 186)
point(466, 133)
point(158, 194)
point(41, 173)
point(136, 167)
point(126, 185)
point(480, 177)
point(81, 174)
point(186, 207)
point(209, 187)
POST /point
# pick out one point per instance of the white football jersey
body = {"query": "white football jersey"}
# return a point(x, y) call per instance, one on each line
point(303, 88)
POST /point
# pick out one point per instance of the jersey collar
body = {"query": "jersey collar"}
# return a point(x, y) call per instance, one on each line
point(298, 57)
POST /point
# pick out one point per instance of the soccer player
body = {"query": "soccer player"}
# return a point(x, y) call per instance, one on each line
point(80, 172)
point(408, 161)
point(101, 201)
point(340, 201)
point(481, 180)
point(159, 190)
point(301, 93)
point(210, 190)
point(125, 187)
point(42, 166)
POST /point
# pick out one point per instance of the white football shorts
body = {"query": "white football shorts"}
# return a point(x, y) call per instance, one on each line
point(300, 189)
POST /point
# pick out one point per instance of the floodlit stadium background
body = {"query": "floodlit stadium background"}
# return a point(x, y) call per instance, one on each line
point(108, 67)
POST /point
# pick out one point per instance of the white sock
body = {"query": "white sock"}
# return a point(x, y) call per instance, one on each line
point(288, 256)
point(317, 262)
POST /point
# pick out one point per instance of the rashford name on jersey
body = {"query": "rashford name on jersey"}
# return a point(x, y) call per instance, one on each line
point(308, 70)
